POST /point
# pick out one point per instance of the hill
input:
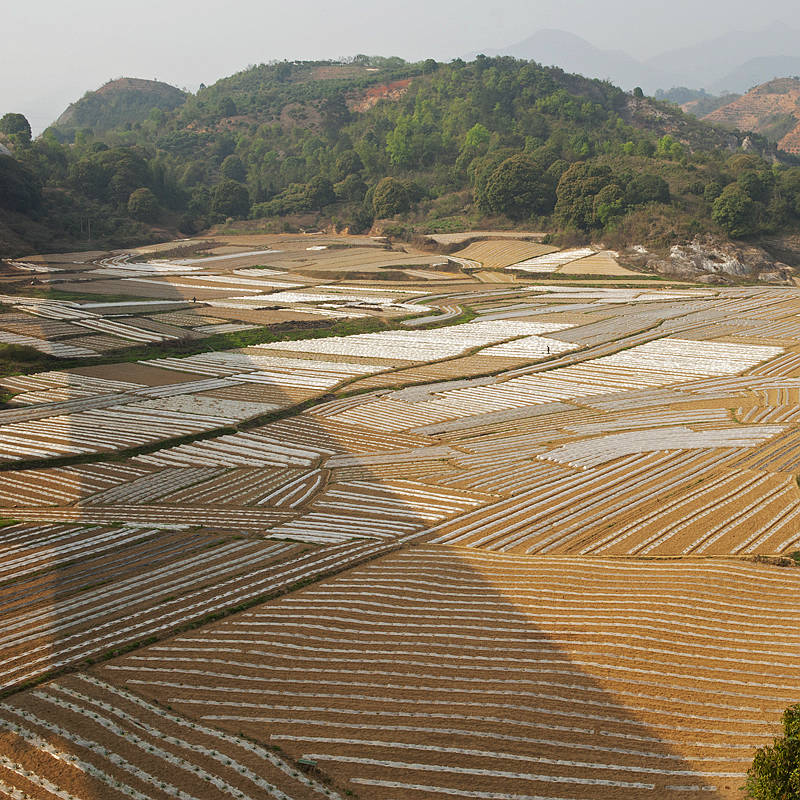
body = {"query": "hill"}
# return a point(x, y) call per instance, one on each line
point(697, 102)
point(718, 63)
point(404, 148)
point(118, 103)
point(727, 64)
point(575, 54)
point(757, 71)
point(772, 110)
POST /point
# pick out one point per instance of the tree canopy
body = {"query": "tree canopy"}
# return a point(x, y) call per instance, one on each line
point(433, 143)
point(775, 773)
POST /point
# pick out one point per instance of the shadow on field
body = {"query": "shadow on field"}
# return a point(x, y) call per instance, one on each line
point(428, 672)
point(424, 674)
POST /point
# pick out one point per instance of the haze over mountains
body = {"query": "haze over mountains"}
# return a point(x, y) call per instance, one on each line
point(733, 62)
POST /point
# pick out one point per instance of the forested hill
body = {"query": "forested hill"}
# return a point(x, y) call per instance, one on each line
point(417, 147)
point(117, 104)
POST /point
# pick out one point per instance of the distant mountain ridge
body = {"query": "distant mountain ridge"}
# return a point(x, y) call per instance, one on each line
point(731, 63)
point(116, 103)
point(572, 53)
point(772, 109)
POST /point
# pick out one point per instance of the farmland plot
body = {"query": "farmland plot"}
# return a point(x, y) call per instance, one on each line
point(658, 363)
point(552, 261)
point(50, 348)
point(70, 593)
point(359, 508)
point(558, 510)
point(443, 672)
point(98, 430)
point(603, 263)
point(73, 414)
point(66, 485)
point(560, 603)
point(499, 253)
point(83, 737)
point(420, 345)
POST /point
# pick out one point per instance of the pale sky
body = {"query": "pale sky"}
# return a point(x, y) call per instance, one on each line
point(53, 51)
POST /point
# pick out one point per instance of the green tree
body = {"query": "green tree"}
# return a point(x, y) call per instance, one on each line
point(756, 184)
point(348, 163)
point(478, 136)
point(227, 107)
point(194, 173)
point(518, 188)
point(319, 193)
point(576, 193)
point(669, 148)
point(143, 205)
point(19, 189)
point(335, 114)
point(230, 199)
point(17, 126)
point(351, 189)
point(775, 773)
point(712, 191)
point(734, 211)
point(609, 204)
point(646, 188)
point(390, 198)
point(233, 169)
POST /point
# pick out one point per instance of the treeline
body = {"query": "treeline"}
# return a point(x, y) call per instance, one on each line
point(495, 137)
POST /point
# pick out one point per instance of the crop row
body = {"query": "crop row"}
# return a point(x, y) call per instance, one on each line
point(64, 485)
point(97, 430)
point(420, 345)
point(51, 348)
point(658, 363)
point(39, 639)
point(599, 450)
point(551, 262)
point(471, 673)
point(234, 363)
point(637, 502)
point(46, 381)
point(84, 735)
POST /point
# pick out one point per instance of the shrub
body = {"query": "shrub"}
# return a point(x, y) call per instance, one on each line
point(319, 193)
point(143, 205)
point(351, 189)
point(230, 199)
point(390, 198)
point(734, 211)
point(518, 188)
point(646, 188)
point(775, 773)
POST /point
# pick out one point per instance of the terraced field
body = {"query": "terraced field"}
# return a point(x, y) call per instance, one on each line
point(444, 672)
point(534, 545)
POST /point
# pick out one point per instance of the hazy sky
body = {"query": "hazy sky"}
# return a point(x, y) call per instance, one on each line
point(53, 51)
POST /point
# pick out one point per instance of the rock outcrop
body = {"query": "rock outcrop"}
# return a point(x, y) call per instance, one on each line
point(711, 260)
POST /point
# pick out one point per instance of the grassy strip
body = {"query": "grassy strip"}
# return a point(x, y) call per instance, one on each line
point(214, 616)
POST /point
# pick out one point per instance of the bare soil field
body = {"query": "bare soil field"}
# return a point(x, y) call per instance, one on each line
point(524, 539)
point(466, 236)
point(604, 263)
point(444, 671)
